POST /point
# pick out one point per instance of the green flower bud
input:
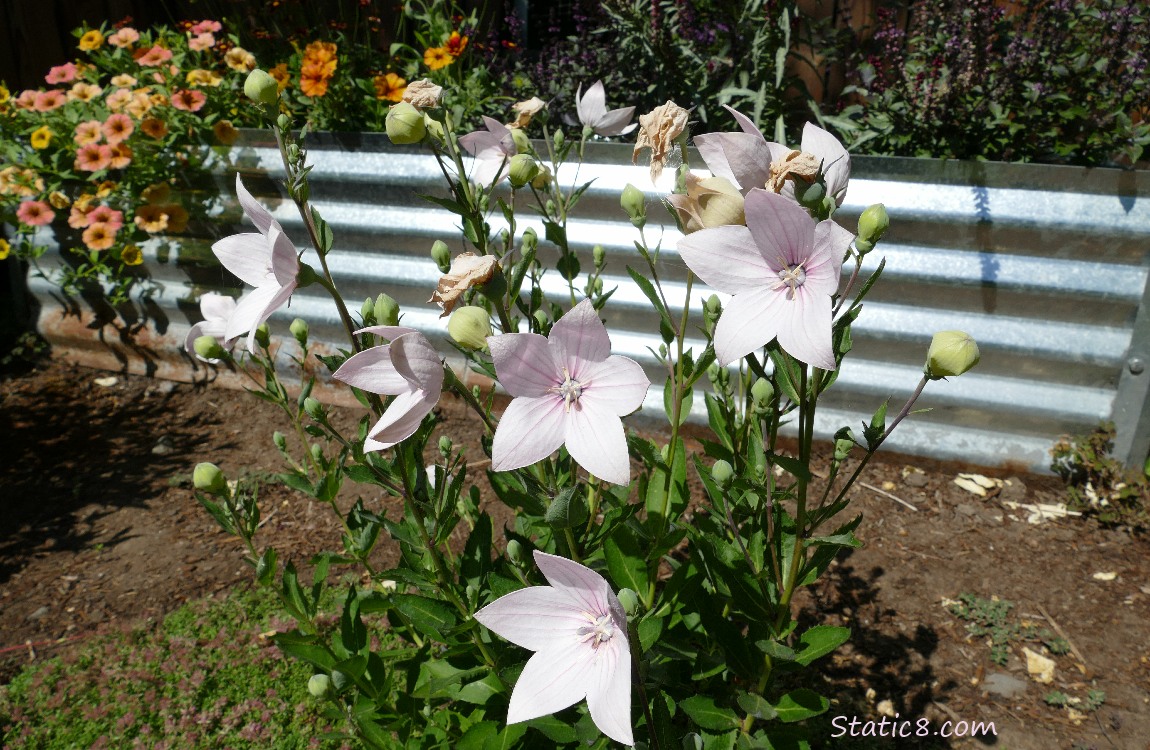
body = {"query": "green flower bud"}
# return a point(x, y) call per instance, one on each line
point(313, 408)
point(263, 336)
point(522, 169)
point(873, 223)
point(761, 393)
point(530, 240)
point(634, 204)
point(810, 195)
point(543, 179)
point(279, 440)
point(558, 138)
point(434, 128)
point(630, 601)
point(207, 347)
point(445, 446)
point(319, 685)
point(599, 255)
point(299, 329)
point(722, 472)
point(386, 310)
point(441, 254)
point(208, 478)
point(306, 276)
point(469, 327)
point(283, 122)
point(597, 287)
point(317, 452)
point(515, 552)
point(951, 353)
point(863, 246)
point(261, 88)
point(367, 312)
point(843, 447)
point(541, 320)
point(713, 305)
point(522, 142)
point(405, 124)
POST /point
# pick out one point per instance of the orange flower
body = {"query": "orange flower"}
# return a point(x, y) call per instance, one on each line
point(121, 156)
point(154, 127)
point(157, 193)
point(78, 217)
point(118, 99)
point(177, 217)
point(139, 105)
point(437, 57)
point(189, 100)
point(390, 87)
point(280, 73)
point(225, 132)
point(313, 80)
point(318, 67)
point(455, 44)
point(151, 219)
point(320, 52)
point(99, 236)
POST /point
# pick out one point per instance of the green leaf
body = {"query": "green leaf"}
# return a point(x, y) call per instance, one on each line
point(776, 650)
point(757, 706)
point(305, 647)
point(481, 690)
point(554, 729)
point(429, 615)
point(626, 562)
point(800, 704)
point(323, 232)
point(706, 714)
point(669, 402)
point(820, 641)
point(652, 296)
point(649, 631)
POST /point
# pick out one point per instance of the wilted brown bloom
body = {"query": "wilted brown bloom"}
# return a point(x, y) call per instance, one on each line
point(524, 111)
point(795, 164)
point(658, 130)
point(467, 270)
point(423, 94)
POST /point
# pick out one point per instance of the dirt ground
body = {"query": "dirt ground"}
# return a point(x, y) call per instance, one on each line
point(99, 530)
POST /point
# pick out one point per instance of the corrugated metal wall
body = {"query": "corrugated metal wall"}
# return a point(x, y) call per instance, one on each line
point(1046, 266)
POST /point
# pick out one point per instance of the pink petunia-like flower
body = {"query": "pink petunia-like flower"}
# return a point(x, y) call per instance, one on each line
point(87, 132)
point(125, 37)
point(46, 101)
point(217, 310)
point(266, 260)
point(93, 157)
point(750, 161)
point(155, 56)
point(65, 73)
point(568, 390)
point(35, 213)
point(201, 42)
point(578, 631)
point(118, 99)
point(117, 128)
point(782, 268)
point(593, 112)
point(106, 215)
point(206, 27)
point(492, 149)
point(189, 100)
point(408, 368)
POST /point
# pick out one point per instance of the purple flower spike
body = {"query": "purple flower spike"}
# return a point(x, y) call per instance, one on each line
point(408, 368)
point(782, 269)
point(593, 113)
point(267, 261)
point(492, 149)
point(217, 310)
point(569, 390)
point(578, 631)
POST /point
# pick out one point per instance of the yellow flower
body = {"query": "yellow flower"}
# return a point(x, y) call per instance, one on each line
point(5, 248)
point(157, 193)
point(225, 132)
point(239, 59)
point(5, 94)
point(281, 74)
point(58, 200)
point(41, 137)
point(389, 87)
point(105, 188)
point(91, 40)
point(123, 81)
point(203, 78)
point(131, 255)
point(437, 57)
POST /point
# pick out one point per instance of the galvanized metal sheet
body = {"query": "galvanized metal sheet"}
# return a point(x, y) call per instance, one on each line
point(1045, 266)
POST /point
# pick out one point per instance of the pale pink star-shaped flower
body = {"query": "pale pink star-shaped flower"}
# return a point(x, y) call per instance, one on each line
point(593, 112)
point(492, 149)
point(408, 368)
point(266, 260)
point(578, 631)
point(217, 310)
point(782, 268)
point(568, 390)
point(746, 158)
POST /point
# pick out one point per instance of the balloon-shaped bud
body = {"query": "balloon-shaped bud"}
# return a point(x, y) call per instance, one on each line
point(208, 348)
point(522, 170)
point(208, 478)
point(722, 472)
point(319, 685)
point(261, 88)
point(299, 329)
point(951, 353)
point(386, 310)
point(634, 203)
point(469, 327)
point(405, 124)
point(441, 254)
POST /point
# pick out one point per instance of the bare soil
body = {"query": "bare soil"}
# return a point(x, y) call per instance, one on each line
point(99, 530)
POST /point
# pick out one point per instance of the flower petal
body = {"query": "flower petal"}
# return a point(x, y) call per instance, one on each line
point(584, 587)
point(836, 160)
point(255, 210)
point(609, 690)
point(747, 323)
point(805, 328)
point(592, 106)
point(745, 123)
point(247, 255)
point(833, 240)
point(577, 338)
point(616, 122)
point(401, 419)
point(284, 257)
point(529, 430)
point(386, 332)
point(783, 231)
point(595, 439)
point(523, 363)
point(247, 315)
point(727, 259)
point(617, 384)
point(552, 680)
point(532, 617)
point(416, 359)
point(216, 307)
point(742, 158)
point(372, 370)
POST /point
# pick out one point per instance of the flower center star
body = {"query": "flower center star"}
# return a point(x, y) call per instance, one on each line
point(792, 278)
point(599, 631)
point(570, 389)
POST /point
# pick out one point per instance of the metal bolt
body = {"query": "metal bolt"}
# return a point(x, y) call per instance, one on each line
point(1136, 365)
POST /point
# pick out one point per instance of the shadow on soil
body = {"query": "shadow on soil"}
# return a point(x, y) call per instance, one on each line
point(70, 461)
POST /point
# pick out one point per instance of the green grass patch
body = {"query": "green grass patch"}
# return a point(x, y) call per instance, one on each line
point(203, 678)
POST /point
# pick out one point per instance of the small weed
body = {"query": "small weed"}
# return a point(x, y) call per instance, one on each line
point(1092, 702)
point(991, 618)
point(1097, 483)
